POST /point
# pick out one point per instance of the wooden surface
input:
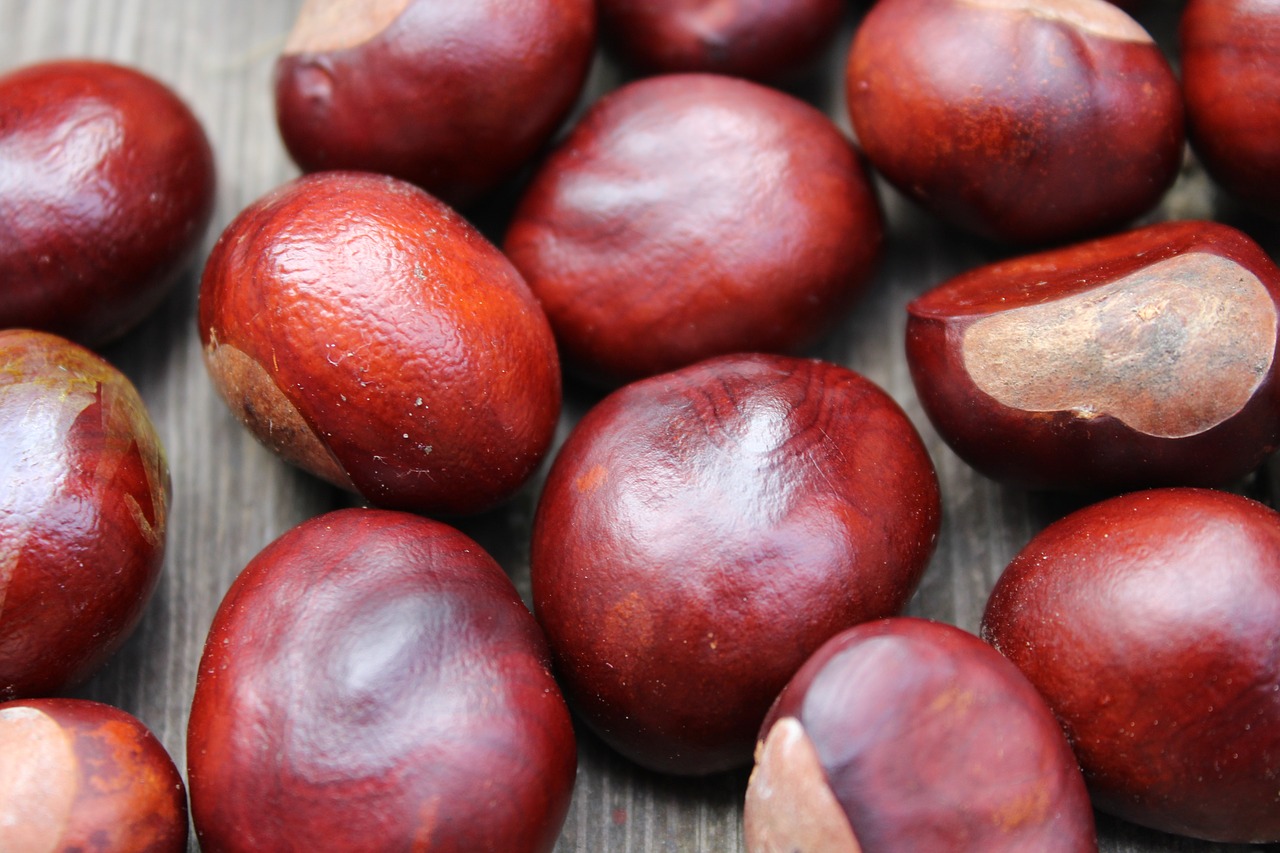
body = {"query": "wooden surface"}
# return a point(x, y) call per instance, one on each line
point(231, 496)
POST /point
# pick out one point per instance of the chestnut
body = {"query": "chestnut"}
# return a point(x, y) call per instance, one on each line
point(1022, 121)
point(1150, 622)
point(80, 776)
point(1141, 359)
point(694, 215)
point(108, 185)
point(372, 681)
point(84, 500)
point(454, 97)
point(367, 333)
point(765, 40)
point(907, 734)
point(703, 531)
point(1230, 51)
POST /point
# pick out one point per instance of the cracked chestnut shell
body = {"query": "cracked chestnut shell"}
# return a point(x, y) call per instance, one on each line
point(1150, 622)
point(84, 501)
point(106, 190)
point(367, 333)
point(702, 531)
point(79, 777)
point(1025, 121)
point(1141, 359)
point(694, 215)
point(906, 734)
point(372, 681)
point(454, 97)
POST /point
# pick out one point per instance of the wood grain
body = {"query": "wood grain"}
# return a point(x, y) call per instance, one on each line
point(231, 496)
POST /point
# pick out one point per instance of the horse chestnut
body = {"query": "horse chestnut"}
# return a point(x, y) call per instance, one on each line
point(367, 333)
point(905, 734)
point(82, 776)
point(372, 681)
point(702, 531)
point(1150, 622)
point(1140, 359)
point(84, 499)
point(106, 190)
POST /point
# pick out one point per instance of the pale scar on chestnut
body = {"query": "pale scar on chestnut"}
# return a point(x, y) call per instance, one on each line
point(328, 25)
point(37, 780)
point(1096, 17)
point(1172, 350)
point(789, 806)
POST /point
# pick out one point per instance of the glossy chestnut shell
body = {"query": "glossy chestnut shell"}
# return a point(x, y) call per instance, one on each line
point(702, 531)
point(372, 681)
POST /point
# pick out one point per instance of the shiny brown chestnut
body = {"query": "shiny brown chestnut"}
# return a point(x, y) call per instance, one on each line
point(84, 499)
point(1026, 121)
point(765, 40)
point(906, 734)
point(703, 531)
point(82, 776)
point(106, 190)
point(1141, 359)
point(1150, 623)
point(694, 215)
point(1230, 52)
point(454, 97)
point(372, 681)
point(367, 333)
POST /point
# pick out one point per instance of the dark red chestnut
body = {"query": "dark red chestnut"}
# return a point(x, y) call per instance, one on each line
point(454, 97)
point(1146, 358)
point(1027, 121)
point(367, 333)
point(81, 776)
point(1230, 52)
point(766, 40)
point(106, 189)
point(905, 734)
point(1151, 623)
point(84, 498)
point(689, 216)
point(703, 531)
point(372, 681)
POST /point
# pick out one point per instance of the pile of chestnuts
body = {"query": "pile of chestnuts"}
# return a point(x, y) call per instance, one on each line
point(725, 546)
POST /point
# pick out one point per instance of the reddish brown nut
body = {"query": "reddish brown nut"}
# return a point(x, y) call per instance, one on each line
point(1230, 53)
point(689, 216)
point(372, 681)
point(1027, 121)
point(454, 97)
point(79, 776)
point(106, 189)
point(703, 531)
point(84, 497)
point(1146, 358)
point(367, 333)
point(905, 734)
point(1151, 623)
point(766, 40)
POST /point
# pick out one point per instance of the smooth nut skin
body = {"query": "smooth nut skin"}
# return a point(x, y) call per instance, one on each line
point(701, 532)
point(694, 215)
point(372, 681)
point(1150, 623)
point(1023, 121)
point(366, 332)
point(1141, 359)
point(1230, 51)
point(454, 97)
point(927, 739)
point(84, 499)
point(106, 190)
point(763, 40)
point(83, 777)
